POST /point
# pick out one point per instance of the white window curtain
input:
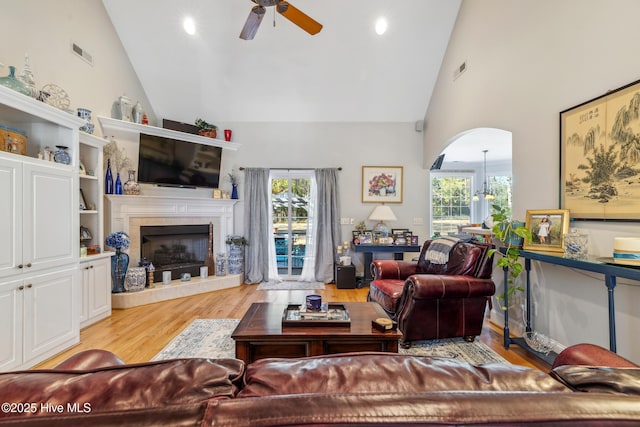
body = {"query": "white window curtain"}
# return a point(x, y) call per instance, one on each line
point(309, 268)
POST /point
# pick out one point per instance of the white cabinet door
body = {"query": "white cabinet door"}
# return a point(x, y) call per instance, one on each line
point(86, 280)
point(50, 208)
point(11, 215)
point(100, 303)
point(11, 297)
point(50, 314)
point(95, 290)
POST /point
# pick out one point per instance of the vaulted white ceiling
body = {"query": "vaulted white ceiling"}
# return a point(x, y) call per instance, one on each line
point(345, 73)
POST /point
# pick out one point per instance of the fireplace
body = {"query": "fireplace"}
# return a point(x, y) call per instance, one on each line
point(175, 248)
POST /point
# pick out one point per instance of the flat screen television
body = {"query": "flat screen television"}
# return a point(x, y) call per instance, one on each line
point(173, 163)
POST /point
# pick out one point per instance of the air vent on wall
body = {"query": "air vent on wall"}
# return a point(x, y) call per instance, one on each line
point(461, 69)
point(86, 56)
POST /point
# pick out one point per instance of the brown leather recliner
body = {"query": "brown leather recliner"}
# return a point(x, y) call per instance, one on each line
point(432, 301)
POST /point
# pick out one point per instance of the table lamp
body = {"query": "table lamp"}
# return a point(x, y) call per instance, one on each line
point(382, 213)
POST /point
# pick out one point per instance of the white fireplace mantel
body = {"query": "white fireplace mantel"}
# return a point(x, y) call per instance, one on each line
point(128, 213)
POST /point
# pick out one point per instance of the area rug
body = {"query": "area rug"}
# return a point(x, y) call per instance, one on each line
point(211, 338)
point(289, 286)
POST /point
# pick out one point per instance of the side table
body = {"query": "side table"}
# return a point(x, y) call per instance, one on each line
point(368, 250)
point(345, 276)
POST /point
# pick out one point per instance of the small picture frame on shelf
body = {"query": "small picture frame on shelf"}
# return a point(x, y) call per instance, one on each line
point(548, 227)
point(85, 233)
point(217, 193)
point(366, 237)
point(414, 240)
point(399, 233)
point(355, 237)
point(83, 201)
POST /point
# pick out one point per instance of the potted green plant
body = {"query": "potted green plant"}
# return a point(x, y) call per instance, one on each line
point(206, 129)
point(237, 241)
point(509, 234)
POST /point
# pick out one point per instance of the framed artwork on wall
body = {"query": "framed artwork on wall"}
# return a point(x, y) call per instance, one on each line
point(382, 184)
point(600, 156)
point(548, 227)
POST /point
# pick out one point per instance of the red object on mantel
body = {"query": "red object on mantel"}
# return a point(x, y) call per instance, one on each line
point(145, 119)
point(227, 135)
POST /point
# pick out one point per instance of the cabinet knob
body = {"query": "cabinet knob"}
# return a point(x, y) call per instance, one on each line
point(20, 266)
point(29, 265)
point(20, 287)
point(91, 266)
point(29, 286)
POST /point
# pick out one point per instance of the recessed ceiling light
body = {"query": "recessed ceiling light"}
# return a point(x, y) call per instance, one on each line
point(381, 26)
point(189, 25)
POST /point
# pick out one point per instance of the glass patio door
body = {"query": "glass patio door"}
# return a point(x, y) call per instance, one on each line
point(290, 192)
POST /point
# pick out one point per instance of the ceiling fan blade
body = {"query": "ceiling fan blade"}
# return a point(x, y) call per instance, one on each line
point(253, 23)
point(299, 18)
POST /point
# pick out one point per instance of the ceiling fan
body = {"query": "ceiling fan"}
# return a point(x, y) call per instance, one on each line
point(285, 9)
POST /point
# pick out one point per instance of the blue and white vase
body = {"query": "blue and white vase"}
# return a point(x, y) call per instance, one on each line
point(236, 259)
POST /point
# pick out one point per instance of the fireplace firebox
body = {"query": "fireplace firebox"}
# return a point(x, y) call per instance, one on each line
point(175, 248)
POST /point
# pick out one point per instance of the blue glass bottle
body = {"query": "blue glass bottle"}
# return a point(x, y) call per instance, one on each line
point(108, 179)
point(118, 187)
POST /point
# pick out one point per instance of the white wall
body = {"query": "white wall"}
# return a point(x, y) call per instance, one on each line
point(527, 61)
point(46, 29)
point(346, 145)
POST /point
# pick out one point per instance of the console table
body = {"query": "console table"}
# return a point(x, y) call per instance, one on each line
point(593, 264)
point(368, 250)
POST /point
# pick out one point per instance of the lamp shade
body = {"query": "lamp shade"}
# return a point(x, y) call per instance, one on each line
point(382, 213)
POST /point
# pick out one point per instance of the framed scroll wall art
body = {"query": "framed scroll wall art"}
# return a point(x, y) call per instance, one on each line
point(600, 156)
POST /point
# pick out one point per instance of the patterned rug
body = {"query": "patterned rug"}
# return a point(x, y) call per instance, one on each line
point(211, 338)
point(289, 286)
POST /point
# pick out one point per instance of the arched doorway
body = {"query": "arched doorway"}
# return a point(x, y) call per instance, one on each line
point(465, 173)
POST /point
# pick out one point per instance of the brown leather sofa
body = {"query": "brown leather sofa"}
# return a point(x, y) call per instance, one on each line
point(432, 301)
point(95, 388)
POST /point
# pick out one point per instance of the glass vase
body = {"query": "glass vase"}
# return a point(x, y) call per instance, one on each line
point(234, 191)
point(108, 179)
point(119, 265)
point(117, 187)
point(131, 187)
point(221, 261)
point(12, 82)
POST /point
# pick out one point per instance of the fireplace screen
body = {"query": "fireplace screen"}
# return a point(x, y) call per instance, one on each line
point(176, 248)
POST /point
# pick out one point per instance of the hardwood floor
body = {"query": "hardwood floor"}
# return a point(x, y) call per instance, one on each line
point(137, 334)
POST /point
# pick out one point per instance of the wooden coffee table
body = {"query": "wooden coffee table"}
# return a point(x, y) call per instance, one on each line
point(260, 334)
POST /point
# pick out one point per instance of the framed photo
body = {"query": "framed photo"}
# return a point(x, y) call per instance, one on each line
point(85, 234)
point(382, 184)
point(414, 240)
point(548, 228)
point(83, 201)
point(399, 232)
point(366, 237)
point(599, 161)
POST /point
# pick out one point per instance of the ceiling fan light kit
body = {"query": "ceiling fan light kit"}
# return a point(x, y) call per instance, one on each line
point(285, 9)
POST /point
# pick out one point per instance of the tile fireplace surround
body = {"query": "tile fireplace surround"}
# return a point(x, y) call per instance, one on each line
point(129, 213)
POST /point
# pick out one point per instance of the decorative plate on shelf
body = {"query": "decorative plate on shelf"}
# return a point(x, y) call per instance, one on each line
point(56, 96)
